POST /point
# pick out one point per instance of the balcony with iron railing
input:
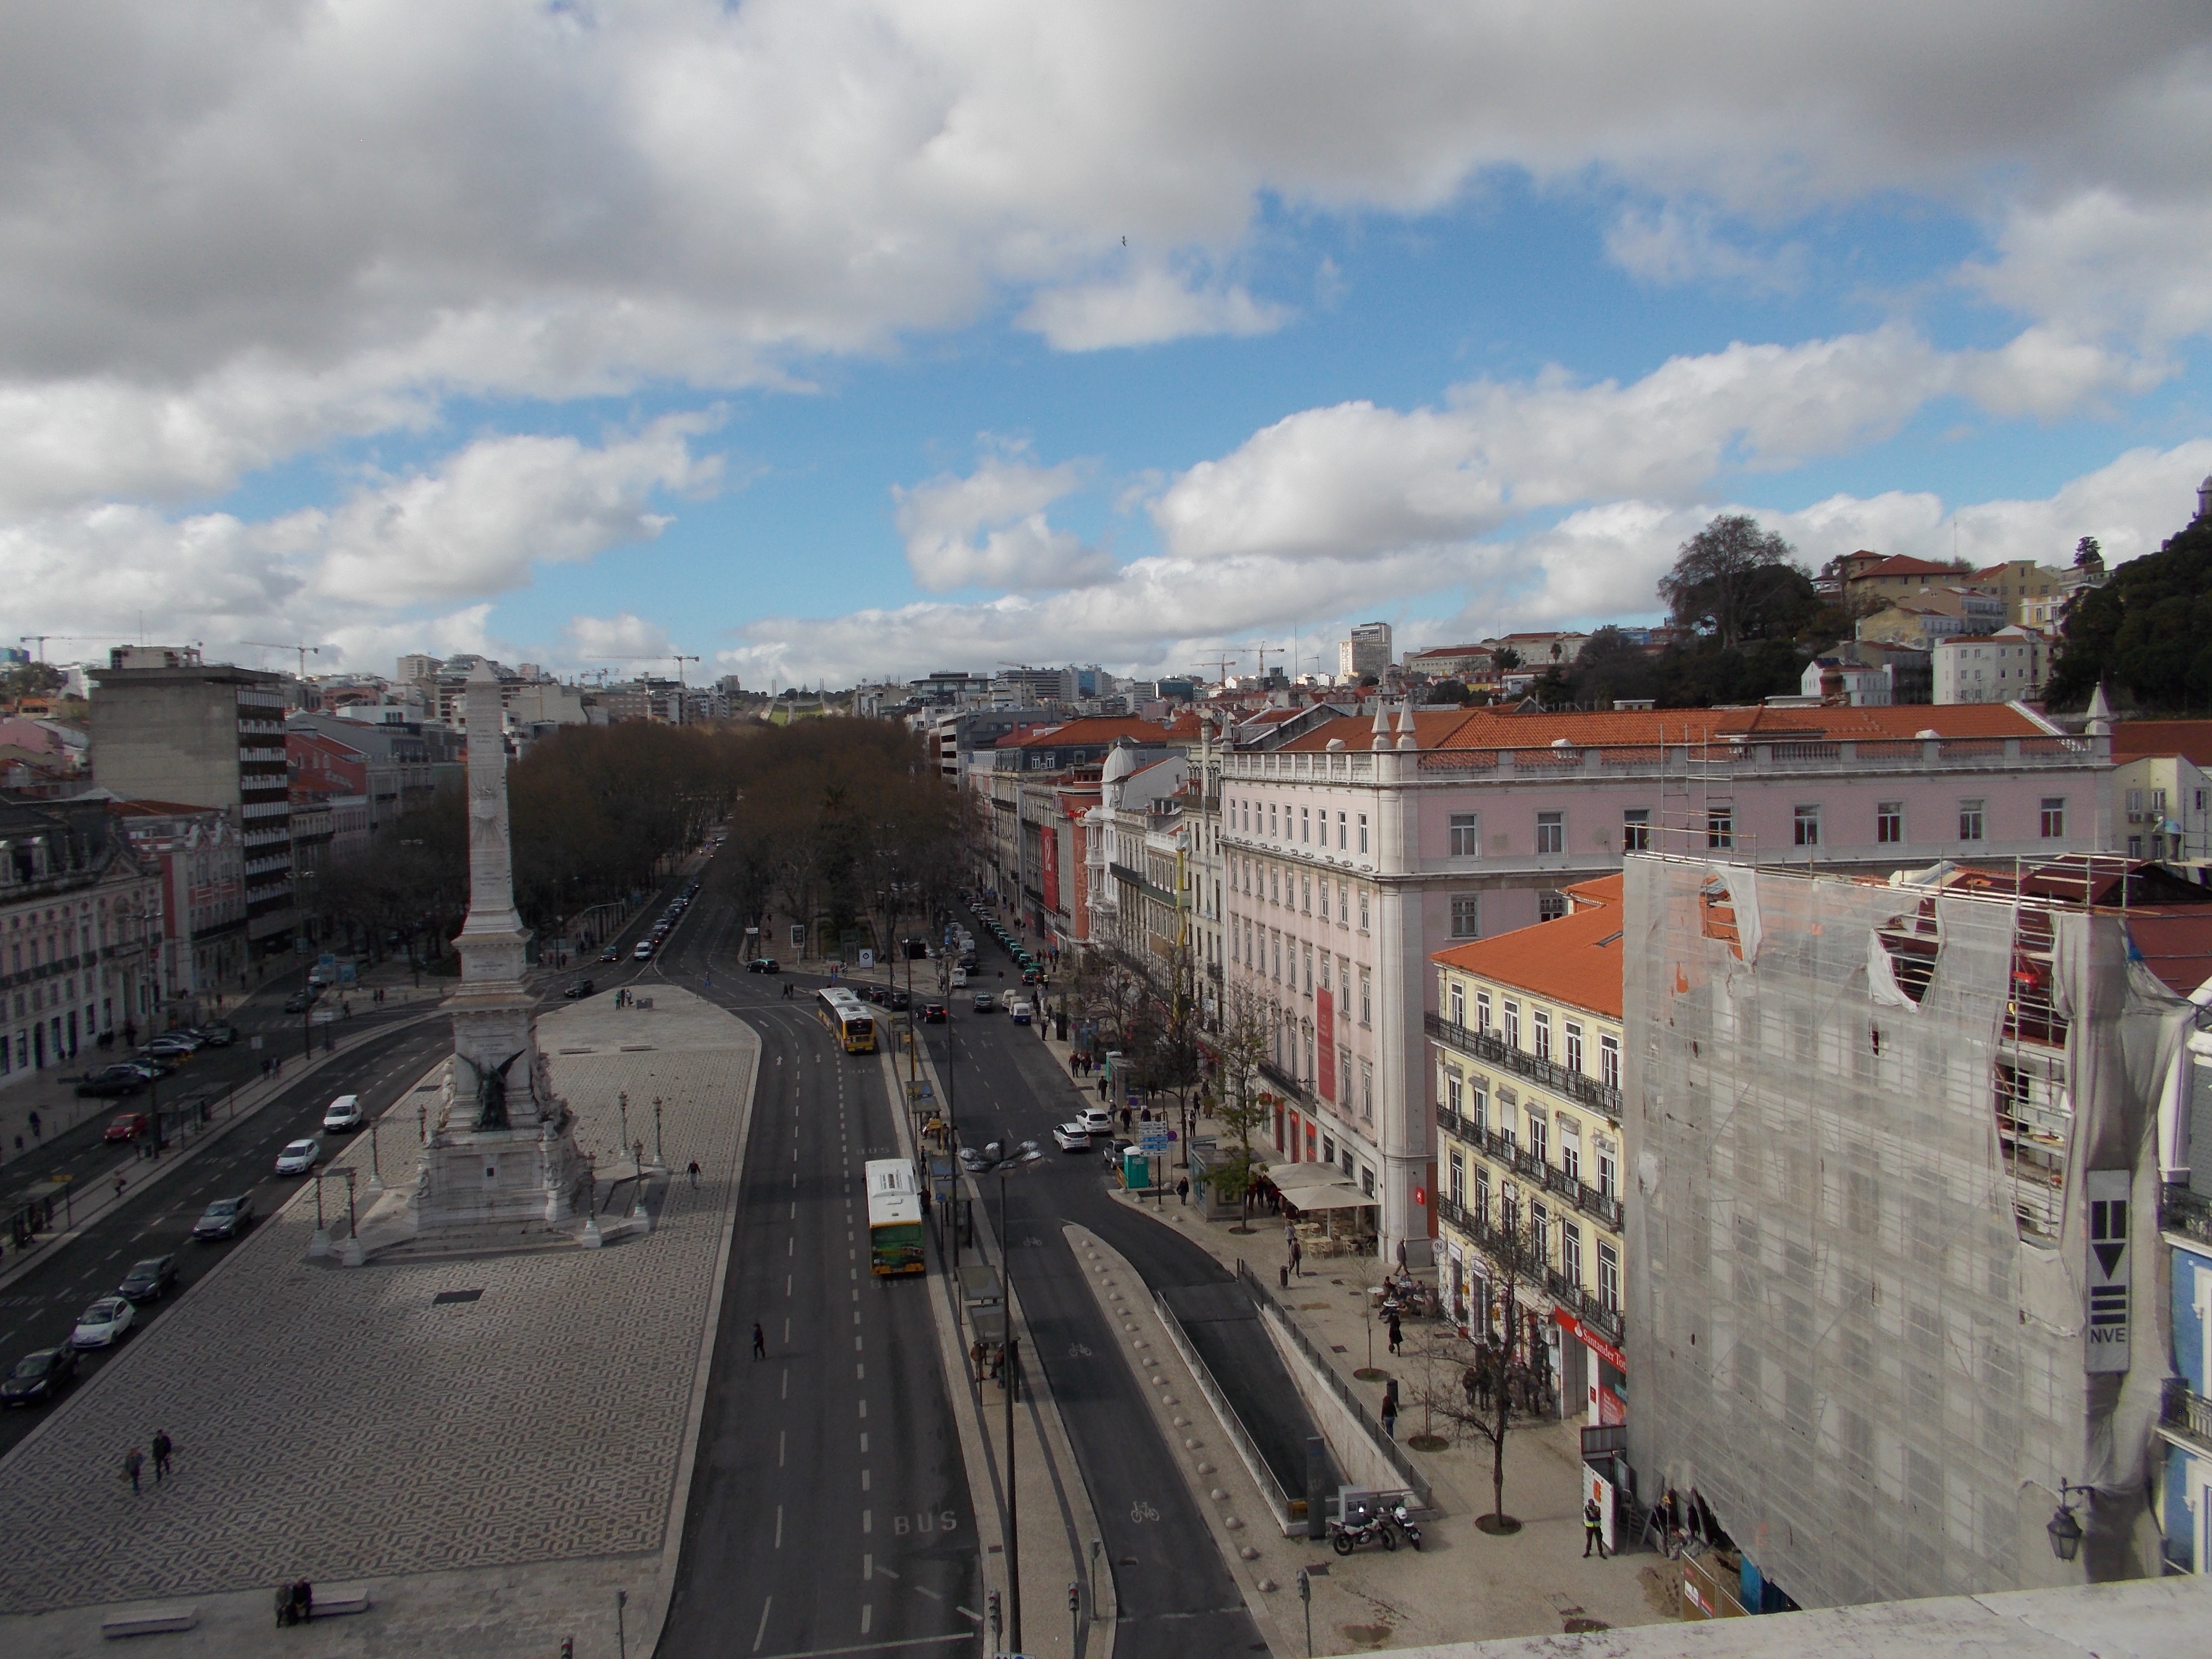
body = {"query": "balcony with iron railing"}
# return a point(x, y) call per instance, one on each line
point(2186, 1416)
point(1567, 1293)
point(1493, 1050)
point(1602, 1207)
point(2187, 1212)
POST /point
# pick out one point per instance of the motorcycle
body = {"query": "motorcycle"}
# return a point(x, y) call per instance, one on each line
point(1405, 1523)
point(1362, 1524)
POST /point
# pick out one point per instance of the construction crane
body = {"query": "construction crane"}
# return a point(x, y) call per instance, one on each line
point(41, 639)
point(1221, 663)
point(1260, 651)
point(305, 651)
point(683, 691)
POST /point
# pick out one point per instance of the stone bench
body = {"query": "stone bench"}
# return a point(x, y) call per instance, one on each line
point(334, 1601)
point(149, 1621)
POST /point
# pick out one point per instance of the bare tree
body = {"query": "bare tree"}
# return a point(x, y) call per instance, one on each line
point(1241, 1107)
point(1500, 1376)
point(1735, 581)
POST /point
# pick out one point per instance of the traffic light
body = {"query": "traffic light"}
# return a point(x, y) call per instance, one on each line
point(996, 1624)
point(1075, 1598)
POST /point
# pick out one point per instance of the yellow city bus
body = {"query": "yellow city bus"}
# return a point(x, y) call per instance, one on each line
point(847, 1018)
point(894, 1218)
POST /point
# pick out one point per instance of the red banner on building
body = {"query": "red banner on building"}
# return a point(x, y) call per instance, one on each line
point(1325, 1025)
point(1050, 843)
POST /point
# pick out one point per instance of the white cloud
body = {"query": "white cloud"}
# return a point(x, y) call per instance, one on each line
point(1018, 549)
point(1151, 307)
point(228, 235)
point(623, 638)
point(1679, 242)
point(1600, 563)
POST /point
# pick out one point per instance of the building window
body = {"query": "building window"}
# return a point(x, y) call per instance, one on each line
point(1271, 818)
point(1573, 1056)
point(1543, 1034)
point(1466, 915)
point(1305, 953)
point(1551, 904)
point(1807, 826)
point(1550, 832)
point(1636, 829)
point(1889, 822)
point(1608, 1276)
point(1512, 1023)
point(1366, 1091)
point(1608, 1171)
point(1458, 1181)
point(1720, 828)
point(1482, 1193)
point(1608, 1061)
point(1305, 894)
point(2054, 817)
point(2135, 846)
point(1363, 832)
point(1539, 1224)
point(1571, 1252)
point(1363, 910)
point(1970, 820)
point(1457, 997)
point(1478, 1104)
point(1539, 1138)
point(1339, 832)
point(1305, 825)
point(1366, 997)
point(1466, 834)
point(1454, 1092)
point(1482, 1012)
point(1570, 1149)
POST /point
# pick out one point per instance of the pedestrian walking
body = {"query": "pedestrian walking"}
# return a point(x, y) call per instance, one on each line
point(1298, 1260)
point(1183, 1190)
point(760, 1341)
point(1397, 1334)
point(1593, 1529)
point(1390, 1416)
point(120, 1183)
point(35, 1126)
point(693, 1172)
point(164, 1449)
point(133, 1460)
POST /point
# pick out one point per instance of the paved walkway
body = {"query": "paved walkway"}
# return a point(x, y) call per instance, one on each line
point(345, 1424)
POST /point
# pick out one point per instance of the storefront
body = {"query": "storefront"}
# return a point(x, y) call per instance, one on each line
point(1593, 1369)
point(1330, 1216)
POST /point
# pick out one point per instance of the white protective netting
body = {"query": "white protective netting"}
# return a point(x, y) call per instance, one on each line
point(1856, 1114)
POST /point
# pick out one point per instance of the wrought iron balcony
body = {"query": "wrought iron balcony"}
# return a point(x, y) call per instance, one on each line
point(2187, 1212)
point(2186, 1414)
point(1483, 1046)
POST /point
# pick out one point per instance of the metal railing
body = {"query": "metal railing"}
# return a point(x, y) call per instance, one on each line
point(1323, 1367)
point(1482, 1045)
point(1271, 1492)
point(2185, 1212)
point(2186, 1412)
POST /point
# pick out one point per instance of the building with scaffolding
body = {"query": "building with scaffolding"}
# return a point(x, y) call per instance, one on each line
point(1896, 1148)
point(1358, 848)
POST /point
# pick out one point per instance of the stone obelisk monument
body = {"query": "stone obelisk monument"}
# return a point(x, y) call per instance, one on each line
point(502, 1149)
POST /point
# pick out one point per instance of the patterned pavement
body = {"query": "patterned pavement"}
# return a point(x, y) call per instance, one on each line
point(337, 1424)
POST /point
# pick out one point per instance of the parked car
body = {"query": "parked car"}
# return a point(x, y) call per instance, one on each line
point(934, 1013)
point(110, 1081)
point(344, 1115)
point(174, 1043)
point(1072, 1136)
point(146, 1071)
point(763, 965)
point(38, 1377)
point(986, 1003)
point(127, 1126)
point(226, 1217)
point(149, 1280)
point(151, 1065)
point(103, 1324)
point(299, 1002)
point(1097, 1120)
point(643, 952)
point(581, 989)
point(1115, 1148)
point(1032, 974)
point(299, 1158)
point(219, 1035)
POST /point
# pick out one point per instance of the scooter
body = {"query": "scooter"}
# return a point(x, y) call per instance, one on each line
point(1365, 1527)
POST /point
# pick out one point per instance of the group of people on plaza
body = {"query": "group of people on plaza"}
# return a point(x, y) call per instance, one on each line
point(134, 1460)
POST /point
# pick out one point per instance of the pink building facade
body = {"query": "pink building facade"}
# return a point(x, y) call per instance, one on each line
point(1355, 852)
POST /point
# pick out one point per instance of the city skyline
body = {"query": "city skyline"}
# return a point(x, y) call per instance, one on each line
point(828, 343)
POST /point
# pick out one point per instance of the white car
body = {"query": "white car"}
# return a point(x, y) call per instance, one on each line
point(103, 1324)
point(344, 1113)
point(1020, 1012)
point(643, 952)
point(1097, 1120)
point(1071, 1137)
point(300, 1157)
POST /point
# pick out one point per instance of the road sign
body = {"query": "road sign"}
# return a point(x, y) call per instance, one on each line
point(867, 957)
point(1155, 1139)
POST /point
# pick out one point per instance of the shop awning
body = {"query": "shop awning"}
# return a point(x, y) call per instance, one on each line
point(1329, 1195)
point(1289, 1178)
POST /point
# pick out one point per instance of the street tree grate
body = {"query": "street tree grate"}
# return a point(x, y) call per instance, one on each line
point(444, 1297)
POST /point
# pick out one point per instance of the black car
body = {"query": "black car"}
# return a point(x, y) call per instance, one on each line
point(582, 987)
point(226, 1217)
point(110, 1082)
point(898, 1001)
point(149, 1280)
point(763, 965)
point(300, 1001)
point(38, 1377)
point(933, 1013)
point(221, 1034)
point(612, 953)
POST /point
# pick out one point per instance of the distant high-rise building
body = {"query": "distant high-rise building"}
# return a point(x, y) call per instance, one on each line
point(418, 665)
point(1367, 652)
point(166, 726)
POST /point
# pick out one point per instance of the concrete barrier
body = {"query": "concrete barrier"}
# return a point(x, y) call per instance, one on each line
point(151, 1621)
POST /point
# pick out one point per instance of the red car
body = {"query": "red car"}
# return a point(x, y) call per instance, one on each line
point(128, 1125)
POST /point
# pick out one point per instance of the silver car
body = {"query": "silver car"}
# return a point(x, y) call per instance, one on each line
point(103, 1324)
point(300, 1157)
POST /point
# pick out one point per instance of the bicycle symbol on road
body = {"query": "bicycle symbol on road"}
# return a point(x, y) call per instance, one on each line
point(1140, 1512)
point(1077, 1351)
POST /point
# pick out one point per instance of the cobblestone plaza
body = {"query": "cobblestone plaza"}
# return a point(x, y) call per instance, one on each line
point(343, 1423)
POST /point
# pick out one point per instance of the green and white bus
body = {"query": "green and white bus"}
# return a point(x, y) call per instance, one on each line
point(894, 1218)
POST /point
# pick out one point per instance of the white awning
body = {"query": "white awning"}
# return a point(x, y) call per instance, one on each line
point(1288, 1178)
point(1329, 1195)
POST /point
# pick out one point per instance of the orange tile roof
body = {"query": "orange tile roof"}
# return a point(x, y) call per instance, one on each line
point(1489, 728)
point(2192, 739)
point(1094, 729)
point(1575, 960)
point(1899, 564)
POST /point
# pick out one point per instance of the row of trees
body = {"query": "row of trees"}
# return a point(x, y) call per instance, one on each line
point(2145, 633)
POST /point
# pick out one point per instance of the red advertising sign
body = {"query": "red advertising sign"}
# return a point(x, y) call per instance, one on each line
point(1325, 1025)
point(1050, 843)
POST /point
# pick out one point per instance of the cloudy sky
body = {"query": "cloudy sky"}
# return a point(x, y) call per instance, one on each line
point(823, 339)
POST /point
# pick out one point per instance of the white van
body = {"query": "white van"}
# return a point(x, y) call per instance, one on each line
point(959, 977)
point(1020, 1009)
point(344, 1113)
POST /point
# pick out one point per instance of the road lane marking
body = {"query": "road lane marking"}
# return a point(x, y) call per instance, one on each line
point(778, 1447)
point(864, 1481)
point(867, 1614)
point(779, 1526)
point(864, 1443)
point(867, 1520)
point(787, 1284)
point(867, 1567)
point(766, 1605)
point(786, 1394)
point(787, 1330)
point(864, 1408)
